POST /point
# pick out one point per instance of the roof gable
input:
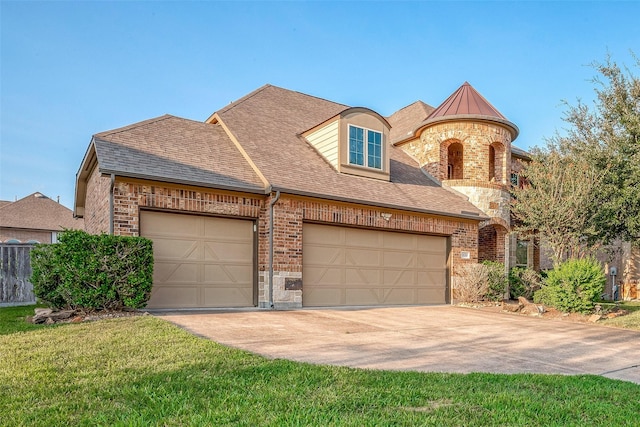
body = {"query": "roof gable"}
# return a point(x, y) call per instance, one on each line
point(174, 149)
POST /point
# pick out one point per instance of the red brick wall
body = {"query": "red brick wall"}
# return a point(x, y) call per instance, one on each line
point(130, 196)
point(96, 213)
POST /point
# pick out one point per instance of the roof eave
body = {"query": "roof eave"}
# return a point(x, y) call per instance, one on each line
point(468, 216)
point(126, 174)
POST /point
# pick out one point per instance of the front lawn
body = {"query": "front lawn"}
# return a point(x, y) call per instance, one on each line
point(146, 371)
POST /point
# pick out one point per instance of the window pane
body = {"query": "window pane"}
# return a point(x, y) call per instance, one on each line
point(356, 145)
point(374, 149)
point(522, 250)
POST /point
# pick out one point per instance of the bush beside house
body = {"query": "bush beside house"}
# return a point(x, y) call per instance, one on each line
point(573, 286)
point(93, 272)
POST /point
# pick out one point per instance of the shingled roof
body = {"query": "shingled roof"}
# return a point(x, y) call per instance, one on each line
point(403, 121)
point(268, 123)
point(38, 212)
point(177, 150)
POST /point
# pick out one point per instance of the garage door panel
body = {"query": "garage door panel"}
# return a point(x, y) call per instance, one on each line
point(434, 244)
point(180, 296)
point(175, 273)
point(401, 259)
point(372, 267)
point(431, 260)
point(166, 248)
point(355, 238)
point(227, 273)
point(362, 257)
point(431, 296)
point(399, 277)
point(200, 261)
point(362, 276)
point(356, 296)
point(326, 275)
point(323, 255)
point(228, 251)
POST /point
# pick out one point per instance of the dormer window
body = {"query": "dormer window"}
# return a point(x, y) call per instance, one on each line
point(365, 144)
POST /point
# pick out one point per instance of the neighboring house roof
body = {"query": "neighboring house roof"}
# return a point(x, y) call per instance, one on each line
point(4, 203)
point(268, 123)
point(178, 150)
point(38, 212)
point(403, 121)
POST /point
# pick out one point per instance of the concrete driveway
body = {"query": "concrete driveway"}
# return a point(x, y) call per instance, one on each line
point(429, 339)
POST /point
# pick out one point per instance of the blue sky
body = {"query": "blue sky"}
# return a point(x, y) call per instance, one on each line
point(72, 69)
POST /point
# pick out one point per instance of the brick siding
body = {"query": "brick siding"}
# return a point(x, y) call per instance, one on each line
point(24, 235)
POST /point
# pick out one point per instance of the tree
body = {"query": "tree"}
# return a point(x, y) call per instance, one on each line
point(557, 202)
point(584, 186)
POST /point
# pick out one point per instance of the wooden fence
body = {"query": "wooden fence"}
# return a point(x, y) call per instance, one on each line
point(15, 271)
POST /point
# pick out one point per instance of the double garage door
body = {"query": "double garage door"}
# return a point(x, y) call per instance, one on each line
point(348, 266)
point(203, 261)
point(200, 261)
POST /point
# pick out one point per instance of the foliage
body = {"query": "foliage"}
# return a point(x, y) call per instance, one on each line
point(523, 282)
point(556, 202)
point(497, 281)
point(93, 271)
point(573, 286)
point(144, 371)
point(481, 282)
point(582, 187)
point(472, 282)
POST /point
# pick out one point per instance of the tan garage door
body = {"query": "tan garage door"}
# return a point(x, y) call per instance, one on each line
point(349, 266)
point(200, 261)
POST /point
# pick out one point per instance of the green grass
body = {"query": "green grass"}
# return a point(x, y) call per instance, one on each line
point(12, 319)
point(141, 371)
point(629, 321)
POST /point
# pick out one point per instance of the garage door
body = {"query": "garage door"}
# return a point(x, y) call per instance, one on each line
point(349, 266)
point(200, 261)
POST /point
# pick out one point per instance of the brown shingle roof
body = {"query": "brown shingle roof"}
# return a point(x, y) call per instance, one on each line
point(404, 121)
point(267, 124)
point(38, 212)
point(173, 149)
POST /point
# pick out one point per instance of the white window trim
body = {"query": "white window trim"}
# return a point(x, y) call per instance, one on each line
point(366, 148)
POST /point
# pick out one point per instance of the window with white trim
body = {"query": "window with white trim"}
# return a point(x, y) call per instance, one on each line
point(365, 147)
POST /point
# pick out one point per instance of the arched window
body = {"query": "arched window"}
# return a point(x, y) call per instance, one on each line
point(492, 163)
point(13, 241)
point(33, 242)
point(497, 161)
point(455, 161)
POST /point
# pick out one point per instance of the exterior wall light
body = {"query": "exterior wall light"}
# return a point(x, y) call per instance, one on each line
point(385, 215)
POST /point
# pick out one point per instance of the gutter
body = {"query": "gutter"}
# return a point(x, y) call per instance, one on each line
point(113, 181)
point(273, 202)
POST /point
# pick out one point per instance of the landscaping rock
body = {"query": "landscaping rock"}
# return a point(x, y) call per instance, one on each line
point(594, 318)
point(48, 316)
point(512, 308)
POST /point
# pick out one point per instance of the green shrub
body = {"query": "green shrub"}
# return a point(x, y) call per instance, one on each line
point(523, 282)
point(574, 286)
point(497, 281)
point(93, 271)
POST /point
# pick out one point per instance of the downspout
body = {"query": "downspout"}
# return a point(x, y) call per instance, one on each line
point(113, 181)
point(273, 202)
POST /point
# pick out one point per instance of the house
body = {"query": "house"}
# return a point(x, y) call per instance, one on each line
point(282, 199)
point(35, 219)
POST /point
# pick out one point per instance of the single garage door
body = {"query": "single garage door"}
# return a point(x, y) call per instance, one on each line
point(349, 266)
point(200, 261)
